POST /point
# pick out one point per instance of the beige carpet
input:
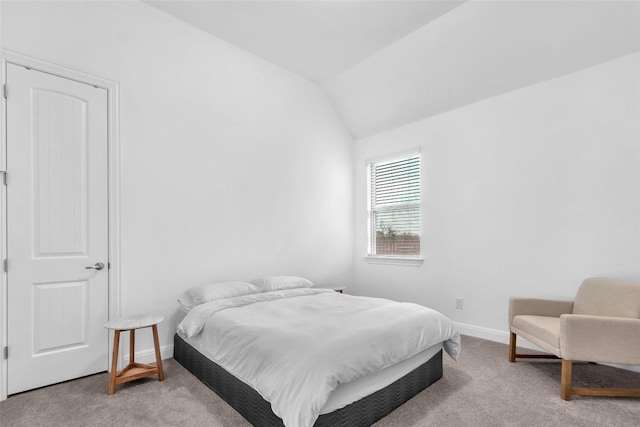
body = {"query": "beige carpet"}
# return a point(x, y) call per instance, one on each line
point(481, 389)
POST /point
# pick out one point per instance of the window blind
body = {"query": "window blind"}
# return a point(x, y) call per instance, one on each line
point(394, 206)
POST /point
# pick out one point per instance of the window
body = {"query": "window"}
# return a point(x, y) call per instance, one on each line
point(394, 207)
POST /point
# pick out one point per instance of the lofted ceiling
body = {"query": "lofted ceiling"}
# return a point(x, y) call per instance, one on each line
point(384, 64)
point(315, 39)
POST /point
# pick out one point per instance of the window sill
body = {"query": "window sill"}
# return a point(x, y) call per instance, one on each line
point(394, 260)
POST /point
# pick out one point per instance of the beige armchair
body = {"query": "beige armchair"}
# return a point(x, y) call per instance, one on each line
point(602, 325)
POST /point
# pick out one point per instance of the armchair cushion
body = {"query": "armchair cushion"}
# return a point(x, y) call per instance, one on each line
point(544, 331)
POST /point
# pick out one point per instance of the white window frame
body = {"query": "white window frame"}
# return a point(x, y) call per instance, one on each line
point(373, 258)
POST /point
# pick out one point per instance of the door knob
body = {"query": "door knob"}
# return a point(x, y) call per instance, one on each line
point(96, 266)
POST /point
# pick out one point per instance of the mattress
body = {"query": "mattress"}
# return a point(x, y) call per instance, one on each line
point(355, 390)
point(257, 411)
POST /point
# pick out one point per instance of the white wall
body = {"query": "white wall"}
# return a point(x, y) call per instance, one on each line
point(524, 194)
point(232, 168)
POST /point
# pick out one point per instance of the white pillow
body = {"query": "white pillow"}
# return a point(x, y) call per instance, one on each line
point(276, 283)
point(213, 291)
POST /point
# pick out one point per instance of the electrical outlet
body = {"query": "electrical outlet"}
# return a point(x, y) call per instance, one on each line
point(459, 302)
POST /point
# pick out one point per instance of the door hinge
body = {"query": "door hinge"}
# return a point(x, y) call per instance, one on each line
point(5, 265)
point(4, 91)
point(6, 352)
point(4, 177)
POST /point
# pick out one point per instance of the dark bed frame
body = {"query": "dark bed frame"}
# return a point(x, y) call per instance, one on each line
point(257, 411)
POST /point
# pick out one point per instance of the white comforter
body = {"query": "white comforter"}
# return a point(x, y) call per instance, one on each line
point(295, 346)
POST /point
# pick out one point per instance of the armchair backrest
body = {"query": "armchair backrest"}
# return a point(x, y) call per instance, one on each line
point(600, 296)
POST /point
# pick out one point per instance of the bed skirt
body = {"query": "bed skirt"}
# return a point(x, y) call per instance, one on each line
point(257, 411)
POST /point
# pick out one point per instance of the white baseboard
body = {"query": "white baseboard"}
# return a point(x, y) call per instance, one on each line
point(503, 337)
point(149, 355)
point(482, 332)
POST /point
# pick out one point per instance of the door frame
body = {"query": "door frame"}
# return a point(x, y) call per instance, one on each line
point(113, 172)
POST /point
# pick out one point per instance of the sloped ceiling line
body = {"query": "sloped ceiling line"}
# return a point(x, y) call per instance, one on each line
point(386, 64)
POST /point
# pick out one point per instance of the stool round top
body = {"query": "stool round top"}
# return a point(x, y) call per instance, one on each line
point(133, 322)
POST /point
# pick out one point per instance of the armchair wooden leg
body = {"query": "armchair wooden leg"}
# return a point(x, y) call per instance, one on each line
point(565, 392)
point(513, 355)
point(512, 347)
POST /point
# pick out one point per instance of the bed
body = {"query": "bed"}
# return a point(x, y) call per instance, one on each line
point(283, 353)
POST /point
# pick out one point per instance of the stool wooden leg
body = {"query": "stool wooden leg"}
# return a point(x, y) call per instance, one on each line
point(114, 362)
point(132, 347)
point(156, 344)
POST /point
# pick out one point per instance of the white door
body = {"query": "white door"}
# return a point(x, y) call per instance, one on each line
point(57, 226)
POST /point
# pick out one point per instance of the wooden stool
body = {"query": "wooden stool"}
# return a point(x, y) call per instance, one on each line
point(133, 370)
